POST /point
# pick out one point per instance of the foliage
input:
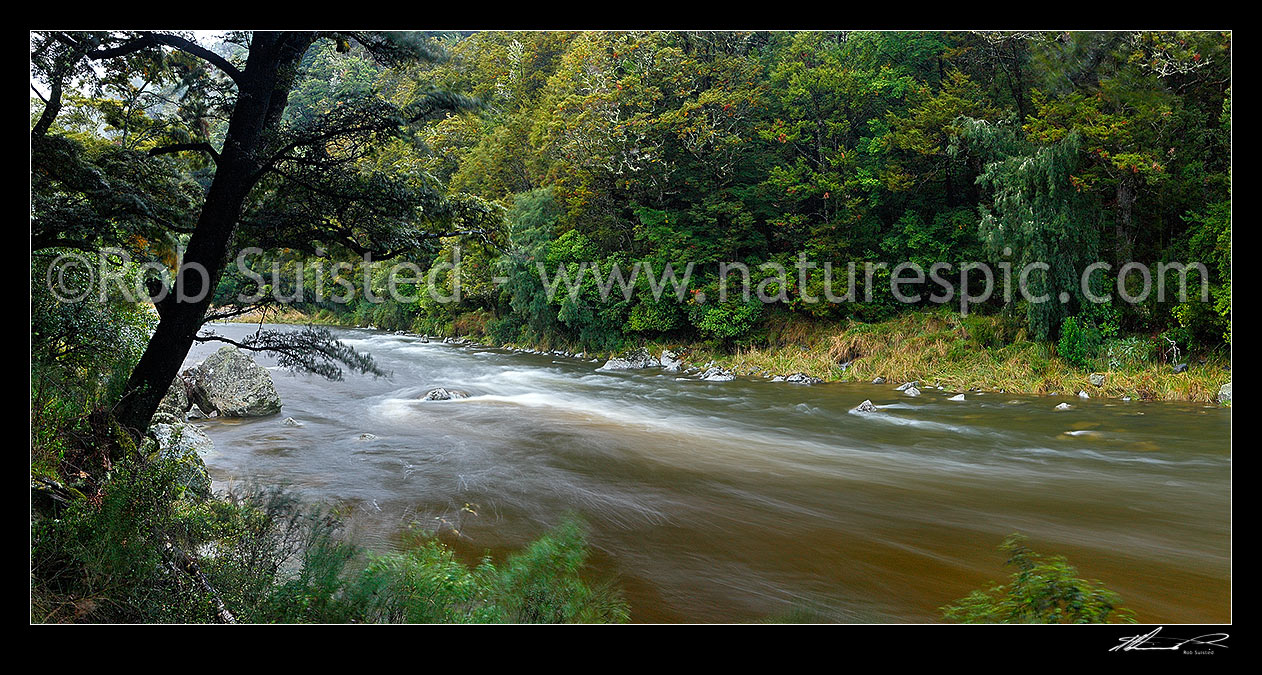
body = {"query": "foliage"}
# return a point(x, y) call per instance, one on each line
point(126, 555)
point(1043, 589)
point(1079, 342)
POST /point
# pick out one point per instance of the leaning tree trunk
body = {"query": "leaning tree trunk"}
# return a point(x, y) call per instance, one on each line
point(261, 97)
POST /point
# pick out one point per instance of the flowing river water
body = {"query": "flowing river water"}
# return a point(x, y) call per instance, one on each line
point(743, 500)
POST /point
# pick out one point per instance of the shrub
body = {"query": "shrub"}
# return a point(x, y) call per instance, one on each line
point(1043, 589)
point(1079, 342)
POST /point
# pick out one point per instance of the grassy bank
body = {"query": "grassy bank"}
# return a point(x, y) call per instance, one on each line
point(935, 347)
point(961, 354)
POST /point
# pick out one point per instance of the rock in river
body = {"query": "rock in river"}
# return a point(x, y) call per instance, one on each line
point(865, 407)
point(802, 378)
point(1063, 406)
point(670, 361)
point(231, 384)
point(957, 397)
point(906, 385)
point(441, 394)
point(716, 374)
point(911, 391)
point(632, 360)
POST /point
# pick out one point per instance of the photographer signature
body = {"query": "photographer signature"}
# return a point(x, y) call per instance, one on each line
point(1152, 642)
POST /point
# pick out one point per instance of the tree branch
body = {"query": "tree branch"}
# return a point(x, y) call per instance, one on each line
point(175, 42)
point(183, 147)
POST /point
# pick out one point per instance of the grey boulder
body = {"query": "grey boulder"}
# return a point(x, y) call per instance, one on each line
point(231, 384)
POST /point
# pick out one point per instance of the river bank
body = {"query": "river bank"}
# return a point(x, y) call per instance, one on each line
point(936, 348)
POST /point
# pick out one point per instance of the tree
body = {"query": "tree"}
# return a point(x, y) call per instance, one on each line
point(274, 179)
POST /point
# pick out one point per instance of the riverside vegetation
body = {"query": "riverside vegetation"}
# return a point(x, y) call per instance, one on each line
point(559, 147)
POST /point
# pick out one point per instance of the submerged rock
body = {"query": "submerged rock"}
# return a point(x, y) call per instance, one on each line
point(1063, 406)
point(231, 384)
point(957, 397)
point(865, 407)
point(291, 422)
point(441, 394)
point(368, 437)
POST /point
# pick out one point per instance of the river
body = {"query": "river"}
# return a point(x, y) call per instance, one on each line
point(742, 500)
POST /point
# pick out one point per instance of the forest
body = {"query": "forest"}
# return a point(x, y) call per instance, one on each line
point(479, 158)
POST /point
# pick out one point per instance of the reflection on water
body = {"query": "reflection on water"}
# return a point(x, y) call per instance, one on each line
point(741, 500)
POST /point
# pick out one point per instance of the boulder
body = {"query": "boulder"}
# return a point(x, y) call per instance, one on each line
point(196, 413)
point(231, 384)
point(957, 397)
point(185, 445)
point(911, 391)
point(1180, 368)
point(176, 400)
point(1063, 406)
point(716, 374)
point(865, 407)
point(1083, 394)
point(1096, 379)
point(906, 385)
point(1224, 393)
point(802, 378)
point(878, 380)
point(670, 361)
point(635, 359)
point(441, 394)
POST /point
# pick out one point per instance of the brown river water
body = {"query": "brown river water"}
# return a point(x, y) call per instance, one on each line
point(739, 501)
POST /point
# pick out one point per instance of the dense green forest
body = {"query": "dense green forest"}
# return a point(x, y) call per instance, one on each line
point(583, 151)
point(670, 147)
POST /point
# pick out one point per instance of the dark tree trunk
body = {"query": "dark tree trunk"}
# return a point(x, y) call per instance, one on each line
point(1127, 193)
point(262, 94)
